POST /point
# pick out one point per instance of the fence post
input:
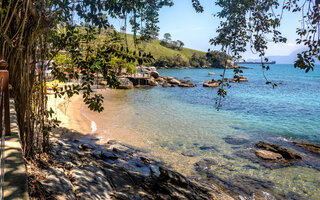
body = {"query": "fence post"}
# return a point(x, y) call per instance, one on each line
point(5, 104)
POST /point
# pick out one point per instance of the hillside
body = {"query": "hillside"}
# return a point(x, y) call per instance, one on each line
point(157, 50)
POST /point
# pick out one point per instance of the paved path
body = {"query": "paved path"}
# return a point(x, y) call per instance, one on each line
point(15, 178)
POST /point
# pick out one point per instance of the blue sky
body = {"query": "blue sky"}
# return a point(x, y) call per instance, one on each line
point(196, 29)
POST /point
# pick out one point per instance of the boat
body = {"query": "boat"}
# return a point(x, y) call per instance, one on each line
point(252, 62)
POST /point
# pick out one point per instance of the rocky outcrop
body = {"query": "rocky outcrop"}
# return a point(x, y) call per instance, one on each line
point(174, 81)
point(211, 83)
point(125, 83)
point(287, 154)
point(239, 78)
point(116, 171)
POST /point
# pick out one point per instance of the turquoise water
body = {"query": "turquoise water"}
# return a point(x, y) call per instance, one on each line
point(175, 121)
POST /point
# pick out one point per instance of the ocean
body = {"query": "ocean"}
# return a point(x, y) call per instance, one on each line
point(181, 126)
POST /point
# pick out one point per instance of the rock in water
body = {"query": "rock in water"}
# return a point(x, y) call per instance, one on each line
point(174, 81)
point(152, 82)
point(125, 83)
point(285, 153)
point(268, 155)
point(211, 83)
point(239, 78)
point(235, 140)
point(211, 73)
point(314, 148)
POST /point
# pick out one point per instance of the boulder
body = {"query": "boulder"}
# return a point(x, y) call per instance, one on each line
point(160, 79)
point(154, 74)
point(152, 82)
point(187, 83)
point(125, 83)
point(166, 85)
point(174, 81)
point(239, 78)
point(211, 73)
point(268, 155)
point(211, 83)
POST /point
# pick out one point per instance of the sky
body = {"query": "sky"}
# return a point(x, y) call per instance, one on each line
point(196, 29)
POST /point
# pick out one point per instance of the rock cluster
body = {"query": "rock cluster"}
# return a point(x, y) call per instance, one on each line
point(115, 171)
point(167, 81)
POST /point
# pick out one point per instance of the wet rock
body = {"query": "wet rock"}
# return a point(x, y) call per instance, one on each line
point(236, 140)
point(211, 83)
point(155, 170)
point(211, 73)
point(285, 153)
point(186, 77)
point(125, 83)
point(268, 155)
point(314, 148)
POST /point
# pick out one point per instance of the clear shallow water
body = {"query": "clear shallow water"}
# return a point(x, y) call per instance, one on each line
point(171, 121)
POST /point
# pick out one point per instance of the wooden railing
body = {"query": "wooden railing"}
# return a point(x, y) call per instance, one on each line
point(4, 116)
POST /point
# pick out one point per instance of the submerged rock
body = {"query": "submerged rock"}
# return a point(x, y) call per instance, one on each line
point(235, 140)
point(268, 155)
point(314, 148)
point(285, 153)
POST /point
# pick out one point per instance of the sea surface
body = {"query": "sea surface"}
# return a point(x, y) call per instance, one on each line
point(174, 122)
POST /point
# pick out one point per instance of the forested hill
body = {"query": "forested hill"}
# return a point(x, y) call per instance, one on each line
point(158, 50)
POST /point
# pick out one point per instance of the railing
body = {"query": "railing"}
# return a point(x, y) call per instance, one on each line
point(4, 117)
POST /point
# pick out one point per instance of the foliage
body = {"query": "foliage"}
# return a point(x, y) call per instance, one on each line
point(198, 60)
point(175, 61)
point(32, 32)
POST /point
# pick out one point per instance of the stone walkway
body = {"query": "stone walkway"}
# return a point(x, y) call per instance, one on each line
point(15, 178)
